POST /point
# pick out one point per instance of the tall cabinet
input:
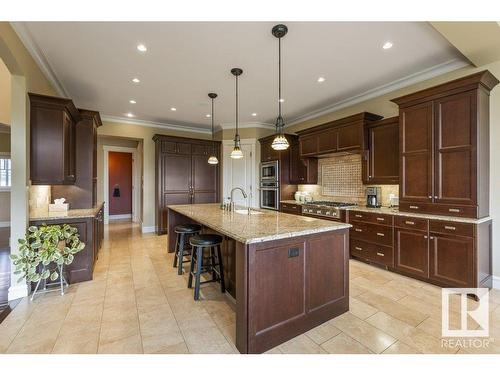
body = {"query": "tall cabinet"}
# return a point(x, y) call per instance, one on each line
point(183, 175)
point(444, 148)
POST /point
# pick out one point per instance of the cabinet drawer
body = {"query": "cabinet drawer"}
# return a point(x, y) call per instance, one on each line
point(370, 217)
point(455, 210)
point(378, 234)
point(372, 252)
point(451, 227)
point(291, 208)
point(411, 223)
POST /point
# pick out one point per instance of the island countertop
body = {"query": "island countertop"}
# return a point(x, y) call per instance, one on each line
point(266, 225)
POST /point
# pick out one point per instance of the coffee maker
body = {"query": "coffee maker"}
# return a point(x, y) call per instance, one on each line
point(373, 196)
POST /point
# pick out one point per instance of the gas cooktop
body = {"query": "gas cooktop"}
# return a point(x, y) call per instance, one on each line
point(331, 204)
point(326, 209)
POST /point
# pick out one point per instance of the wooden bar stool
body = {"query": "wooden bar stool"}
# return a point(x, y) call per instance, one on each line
point(213, 265)
point(183, 232)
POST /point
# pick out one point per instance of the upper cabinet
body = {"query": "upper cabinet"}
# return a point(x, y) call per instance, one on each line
point(344, 135)
point(53, 157)
point(267, 153)
point(381, 159)
point(444, 147)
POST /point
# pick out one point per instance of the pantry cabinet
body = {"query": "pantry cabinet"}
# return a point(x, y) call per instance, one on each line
point(444, 147)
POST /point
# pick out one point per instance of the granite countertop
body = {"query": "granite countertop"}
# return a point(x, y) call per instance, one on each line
point(266, 226)
point(292, 202)
point(44, 214)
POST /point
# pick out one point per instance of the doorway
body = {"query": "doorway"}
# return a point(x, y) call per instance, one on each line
point(240, 172)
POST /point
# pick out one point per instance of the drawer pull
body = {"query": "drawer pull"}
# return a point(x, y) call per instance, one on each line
point(380, 219)
point(414, 207)
point(449, 227)
point(358, 215)
point(380, 254)
point(358, 230)
point(453, 210)
point(358, 248)
point(381, 234)
point(409, 222)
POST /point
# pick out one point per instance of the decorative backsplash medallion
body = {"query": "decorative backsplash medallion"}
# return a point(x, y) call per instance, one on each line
point(341, 176)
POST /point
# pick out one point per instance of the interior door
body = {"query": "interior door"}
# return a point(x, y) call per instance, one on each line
point(240, 173)
point(455, 161)
point(416, 153)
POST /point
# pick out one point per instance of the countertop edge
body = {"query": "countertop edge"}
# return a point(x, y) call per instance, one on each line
point(77, 213)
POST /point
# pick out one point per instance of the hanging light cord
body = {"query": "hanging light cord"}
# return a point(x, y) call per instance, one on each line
point(236, 135)
point(212, 119)
point(279, 77)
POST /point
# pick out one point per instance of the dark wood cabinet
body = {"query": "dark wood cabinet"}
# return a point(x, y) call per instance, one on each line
point(52, 140)
point(267, 153)
point(381, 159)
point(302, 170)
point(183, 175)
point(83, 193)
point(444, 147)
point(291, 208)
point(343, 135)
point(412, 252)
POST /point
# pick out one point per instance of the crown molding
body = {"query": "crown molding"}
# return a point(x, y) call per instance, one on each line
point(245, 125)
point(153, 124)
point(27, 39)
point(437, 70)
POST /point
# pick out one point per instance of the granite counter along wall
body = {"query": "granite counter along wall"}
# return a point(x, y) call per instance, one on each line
point(339, 179)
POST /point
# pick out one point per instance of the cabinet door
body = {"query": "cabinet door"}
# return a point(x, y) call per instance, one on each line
point(350, 137)
point(451, 260)
point(176, 173)
point(455, 154)
point(298, 170)
point(415, 135)
point(201, 149)
point(308, 145)
point(383, 154)
point(412, 252)
point(69, 149)
point(327, 141)
point(204, 180)
point(267, 153)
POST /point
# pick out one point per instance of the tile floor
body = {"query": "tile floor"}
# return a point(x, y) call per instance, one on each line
point(138, 304)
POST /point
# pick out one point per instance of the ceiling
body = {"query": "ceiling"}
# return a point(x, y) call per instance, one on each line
point(93, 63)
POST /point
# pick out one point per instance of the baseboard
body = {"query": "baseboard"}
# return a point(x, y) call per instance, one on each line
point(18, 291)
point(146, 229)
point(496, 282)
point(120, 217)
point(4, 224)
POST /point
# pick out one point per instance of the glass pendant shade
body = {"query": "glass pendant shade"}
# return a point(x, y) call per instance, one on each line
point(236, 153)
point(213, 160)
point(280, 143)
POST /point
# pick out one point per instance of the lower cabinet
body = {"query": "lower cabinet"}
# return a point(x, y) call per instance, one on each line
point(290, 208)
point(451, 259)
point(412, 252)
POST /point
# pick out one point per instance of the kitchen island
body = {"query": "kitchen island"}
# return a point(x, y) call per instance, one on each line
point(287, 273)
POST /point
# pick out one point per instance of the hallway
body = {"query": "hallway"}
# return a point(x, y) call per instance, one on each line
point(138, 304)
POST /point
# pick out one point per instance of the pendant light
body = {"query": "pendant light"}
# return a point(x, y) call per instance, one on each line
point(236, 153)
point(280, 142)
point(213, 159)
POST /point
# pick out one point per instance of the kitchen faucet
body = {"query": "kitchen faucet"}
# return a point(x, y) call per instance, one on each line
point(231, 203)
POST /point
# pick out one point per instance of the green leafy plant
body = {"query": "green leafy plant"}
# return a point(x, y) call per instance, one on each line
point(45, 245)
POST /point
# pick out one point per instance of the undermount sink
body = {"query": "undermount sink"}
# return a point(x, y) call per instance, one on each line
point(245, 212)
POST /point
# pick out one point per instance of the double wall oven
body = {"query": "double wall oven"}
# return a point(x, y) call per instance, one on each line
point(269, 185)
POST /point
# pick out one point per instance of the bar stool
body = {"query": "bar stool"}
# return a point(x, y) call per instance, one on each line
point(199, 243)
point(183, 232)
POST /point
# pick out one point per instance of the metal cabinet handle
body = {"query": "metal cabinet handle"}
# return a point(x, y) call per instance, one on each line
point(430, 196)
point(425, 237)
point(435, 197)
point(410, 222)
point(431, 237)
point(358, 248)
point(453, 210)
point(449, 227)
point(358, 230)
point(380, 254)
point(381, 234)
point(414, 207)
point(380, 219)
point(358, 215)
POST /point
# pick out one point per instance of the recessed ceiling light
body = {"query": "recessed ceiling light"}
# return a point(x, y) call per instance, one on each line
point(141, 48)
point(208, 115)
point(282, 100)
point(173, 109)
point(130, 114)
point(136, 80)
point(132, 101)
point(321, 79)
point(254, 114)
point(387, 45)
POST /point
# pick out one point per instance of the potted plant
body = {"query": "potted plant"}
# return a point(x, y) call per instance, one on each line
point(44, 251)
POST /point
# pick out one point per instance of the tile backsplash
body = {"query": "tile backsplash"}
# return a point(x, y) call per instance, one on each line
point(339, 179)
point(39, 197)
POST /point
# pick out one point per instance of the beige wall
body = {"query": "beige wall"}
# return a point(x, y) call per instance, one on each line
point(4, 94)
point(245, 133)
point(145, 134)
point(383, 106)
